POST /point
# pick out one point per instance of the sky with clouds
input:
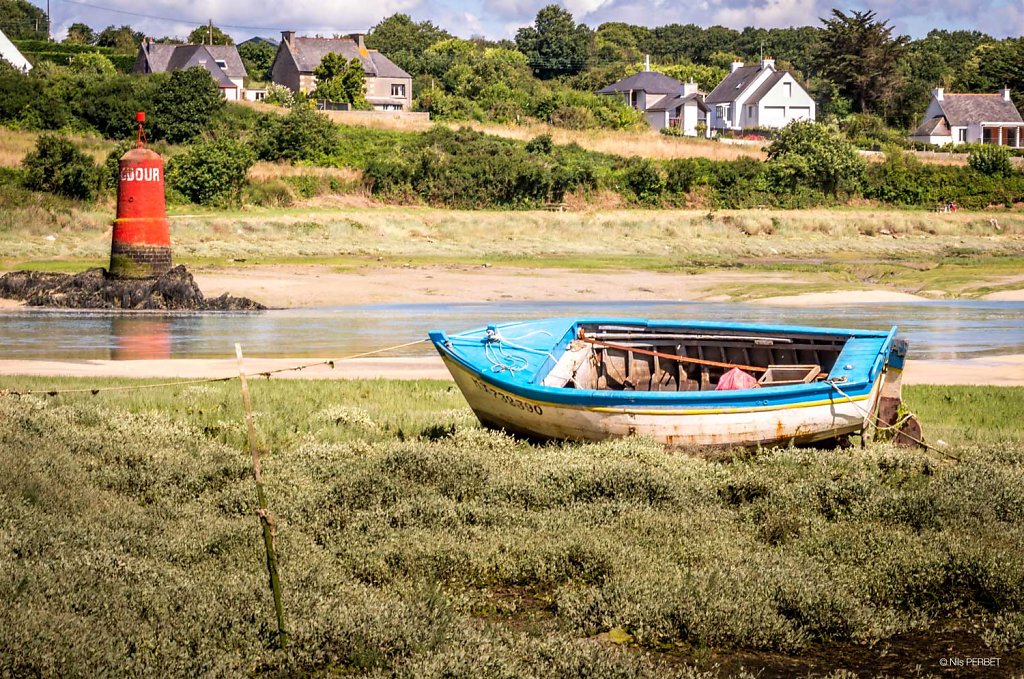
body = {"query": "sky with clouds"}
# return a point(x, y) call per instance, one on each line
point(501, 18)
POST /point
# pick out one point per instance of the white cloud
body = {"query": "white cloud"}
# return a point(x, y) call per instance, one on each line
point(239, 18)
point(770, 14)
point(501, 18)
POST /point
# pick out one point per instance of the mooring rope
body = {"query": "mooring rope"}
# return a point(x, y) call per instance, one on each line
point(208, 380)
point(868, 417)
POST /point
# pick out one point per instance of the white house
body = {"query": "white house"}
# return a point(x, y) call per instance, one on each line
point(664, 101)
point(10, 53)
point(222, 62)
point(971, 119)
point(758, 96)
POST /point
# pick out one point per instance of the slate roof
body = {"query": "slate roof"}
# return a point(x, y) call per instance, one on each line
point(962, 109)
point(647, 81)
point(671, 103)
point(733, 85)
point(309, 52)
point(766, 87)
point(257, 39)
point(935, 127)
point(163, 58)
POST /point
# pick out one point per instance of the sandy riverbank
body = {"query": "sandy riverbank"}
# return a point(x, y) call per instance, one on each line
point(303, 285)
point(994, 370)
point(311, 285)
point(306, 286)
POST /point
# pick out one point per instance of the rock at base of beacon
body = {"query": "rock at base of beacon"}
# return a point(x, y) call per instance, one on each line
point(96, 289)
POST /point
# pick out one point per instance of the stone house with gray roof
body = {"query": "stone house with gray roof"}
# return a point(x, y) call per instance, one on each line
point(664, 101)
point(971, 119)
point(758, 96)
point(221, 61)
point(388, 87)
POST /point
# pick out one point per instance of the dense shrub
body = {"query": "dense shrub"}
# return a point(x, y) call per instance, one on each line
point(185, 105)
point(868, 131)
point(645, 180)
point(302, 134)
point(990, 160)
point(465, 169)
point(211, 172)
point(809, 154)
point(57, 166)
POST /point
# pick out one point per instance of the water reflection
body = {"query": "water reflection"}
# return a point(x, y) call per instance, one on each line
point(140, 337)
point(939, 330)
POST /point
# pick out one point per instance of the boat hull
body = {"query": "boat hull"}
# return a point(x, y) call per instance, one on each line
point(801, 422)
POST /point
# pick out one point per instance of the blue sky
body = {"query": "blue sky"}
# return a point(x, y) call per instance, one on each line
point(501, 18)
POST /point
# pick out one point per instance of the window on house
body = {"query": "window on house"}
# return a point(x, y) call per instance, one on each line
point(962, 134)
point(397, 90)
point(750, 111)
point(222, 64)
point(788, 89)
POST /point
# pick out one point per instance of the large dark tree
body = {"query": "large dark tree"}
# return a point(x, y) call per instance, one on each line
point(860, 55)
point(995, 65)
point(123, 39)
point(21, 20)
point(555, 45)
point(201, 36)
point(403, 40)
point(258, 58)
point(80, 34)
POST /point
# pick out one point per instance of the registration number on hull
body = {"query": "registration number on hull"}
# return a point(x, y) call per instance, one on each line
point(509, 400)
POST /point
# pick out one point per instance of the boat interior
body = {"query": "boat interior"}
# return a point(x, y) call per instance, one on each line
point(649, 358)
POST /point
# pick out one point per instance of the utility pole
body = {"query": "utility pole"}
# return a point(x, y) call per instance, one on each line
point(47, 20)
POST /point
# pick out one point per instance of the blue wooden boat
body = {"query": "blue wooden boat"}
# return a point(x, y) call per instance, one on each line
point(591, 379)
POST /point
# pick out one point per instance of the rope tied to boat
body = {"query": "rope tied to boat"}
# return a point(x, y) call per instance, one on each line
point(494, 350)
point(890, 427)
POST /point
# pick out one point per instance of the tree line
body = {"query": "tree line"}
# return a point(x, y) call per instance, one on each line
point(851, 62)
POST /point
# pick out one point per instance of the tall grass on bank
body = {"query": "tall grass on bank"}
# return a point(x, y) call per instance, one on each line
point(413, 543)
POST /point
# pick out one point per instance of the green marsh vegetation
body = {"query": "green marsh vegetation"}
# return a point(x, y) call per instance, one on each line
point(414, 543)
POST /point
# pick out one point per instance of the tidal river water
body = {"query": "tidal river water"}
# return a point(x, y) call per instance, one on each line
point(937, 329)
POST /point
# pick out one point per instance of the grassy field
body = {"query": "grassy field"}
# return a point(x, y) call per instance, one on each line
point(959, 254)
point(414, 543)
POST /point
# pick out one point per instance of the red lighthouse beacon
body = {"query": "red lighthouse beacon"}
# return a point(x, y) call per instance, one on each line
point(141, 244)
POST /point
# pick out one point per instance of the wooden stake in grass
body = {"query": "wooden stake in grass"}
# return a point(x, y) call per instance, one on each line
point(266, 519)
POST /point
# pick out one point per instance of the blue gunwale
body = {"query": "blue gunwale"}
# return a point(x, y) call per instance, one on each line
point(539, 342)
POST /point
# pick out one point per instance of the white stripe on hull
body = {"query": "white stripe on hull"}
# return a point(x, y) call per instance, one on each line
point(802, 424)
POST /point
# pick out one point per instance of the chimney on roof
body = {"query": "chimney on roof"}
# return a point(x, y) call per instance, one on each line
point(287, 37)
point(358, 39)
point(1006, 93)
point(736, 65)
point(937, 93)
point(767, 62)
point(689, 88)
point(647, 62)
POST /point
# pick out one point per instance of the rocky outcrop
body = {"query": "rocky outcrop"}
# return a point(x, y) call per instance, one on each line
point(96, 289)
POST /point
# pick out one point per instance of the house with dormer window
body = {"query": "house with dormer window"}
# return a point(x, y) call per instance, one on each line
point(971, 119)
point(221, 61)
point(758, 96)
point(664, 101)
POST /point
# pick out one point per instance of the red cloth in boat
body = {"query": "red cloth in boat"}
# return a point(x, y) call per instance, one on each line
point(736, 379)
